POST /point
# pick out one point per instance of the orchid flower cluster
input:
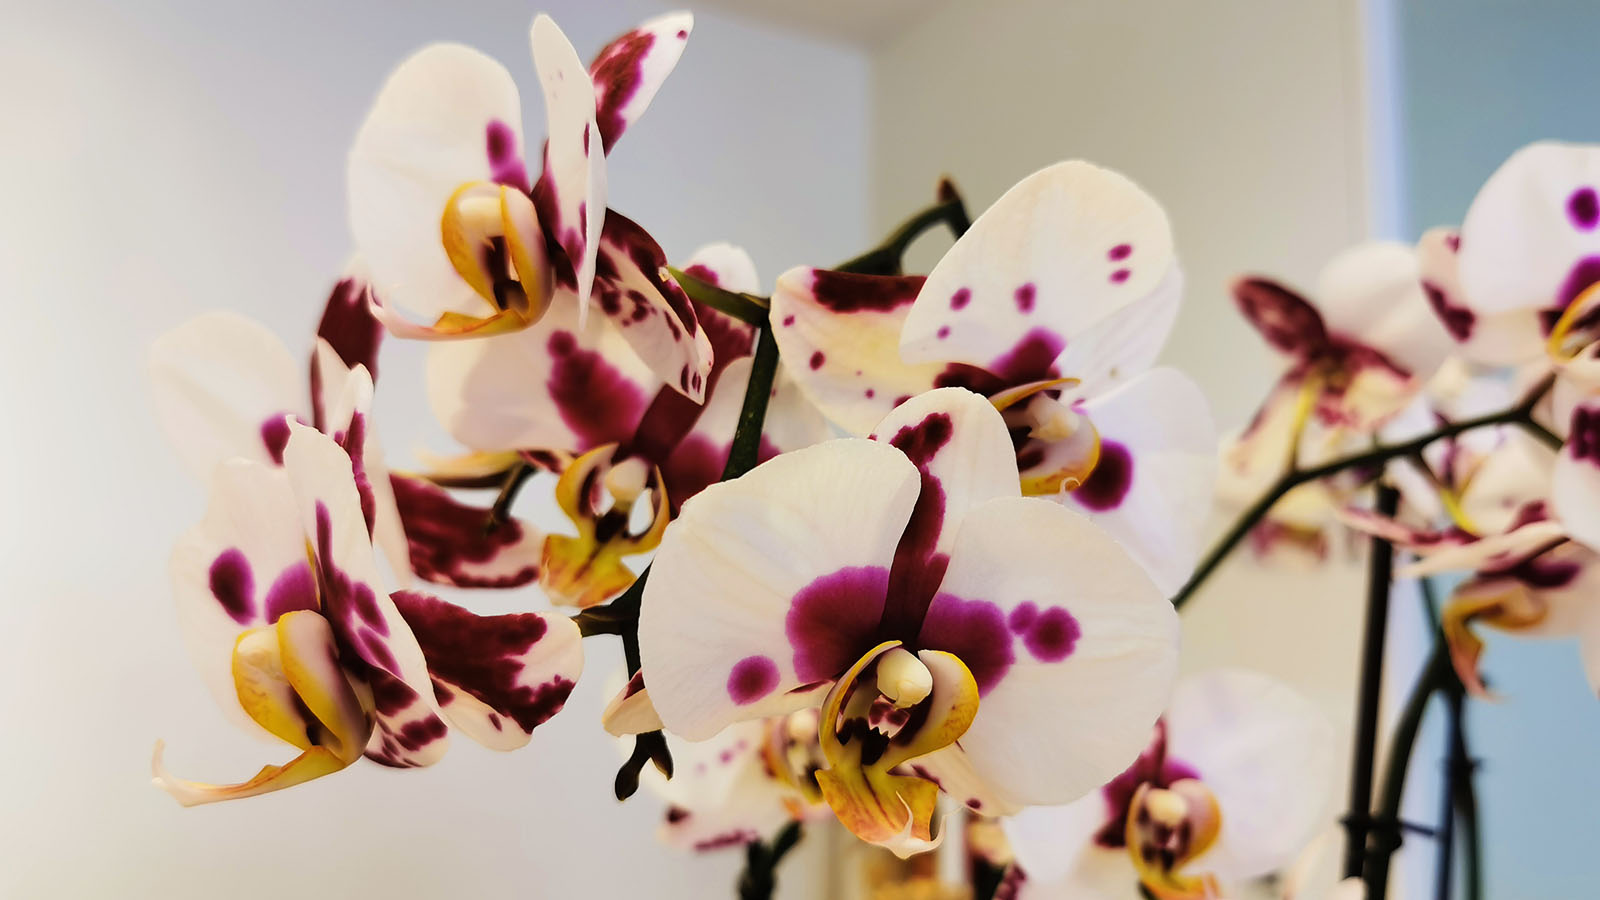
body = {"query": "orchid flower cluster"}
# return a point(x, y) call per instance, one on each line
point(881, 549)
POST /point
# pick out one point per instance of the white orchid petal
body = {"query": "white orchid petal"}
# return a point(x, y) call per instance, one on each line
point(840, 333)
point(448, 115)
point(1270, 757)
point(1050, 613)
point(628, 71)
point(1152, 486)
point(766, 583)
point(222, 386)
point(553, 386)
point(1061, 251)
point(572, 189)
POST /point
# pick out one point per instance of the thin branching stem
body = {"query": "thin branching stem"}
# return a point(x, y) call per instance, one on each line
point(1520, 415)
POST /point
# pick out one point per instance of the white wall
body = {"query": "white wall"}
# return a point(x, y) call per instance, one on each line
point(1246, 119)
point(169, 157)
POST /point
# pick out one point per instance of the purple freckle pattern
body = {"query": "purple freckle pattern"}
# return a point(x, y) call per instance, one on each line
point(787, 321)
point(961, 298)
point(1583, 208)
point(1120, 252)
point(752, 678)
point(944, 332)
point(1022, 616)
point(1025, 296)
point(1119, 276)
point(1108, 484)
point(817, 359)
point(871, 393)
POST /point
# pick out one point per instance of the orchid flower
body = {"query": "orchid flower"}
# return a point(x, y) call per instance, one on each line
point(280, 603)
point(580, 392)
point(1528, 577)
point(1357, 355)
point(741, 785)
point(1236, 780)
point(1512, 287)
point(904, 582)
point(223, 385)
point(443, 209)
point(1054, 305)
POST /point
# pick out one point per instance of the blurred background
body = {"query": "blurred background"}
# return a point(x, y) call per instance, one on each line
point(172, 156)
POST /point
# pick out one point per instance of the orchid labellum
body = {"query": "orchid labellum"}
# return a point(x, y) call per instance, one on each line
point(957, 634)
point(282, 607)
point(1054, 305)
point(455, 231)
point(1235, 782)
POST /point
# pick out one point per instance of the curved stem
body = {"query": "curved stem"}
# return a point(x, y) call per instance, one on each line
point(1385, 824)
point(888, 257)
point(1466, 803)
point(1379, 577)
point(745, 450)
point(1520, 415)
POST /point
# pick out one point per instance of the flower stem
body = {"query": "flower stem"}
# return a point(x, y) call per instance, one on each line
point(1520, 415)
point(1385, 825)
point(760, 876)
point(1379, 575)
point(745, 450)
point(888, 258)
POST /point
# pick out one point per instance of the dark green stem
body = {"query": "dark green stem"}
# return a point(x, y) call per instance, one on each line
point(1379, 578)
point(515, 478)
point(745, 451)
point(760, 876)
point(1520, 415)
point(1466, 804)
point(1386, 823)
point(888, 258)
point(747, 308)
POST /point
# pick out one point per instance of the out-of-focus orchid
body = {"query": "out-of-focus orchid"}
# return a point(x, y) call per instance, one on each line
point(223, 385)
point(741, 785)
point(443, 209)
point(579, 391)
point(1528, 577)
point(281, 605)
point(1508, 285)
point(1054, 304)
point(1357, 355)
point(906, 583)
point(1237, 779)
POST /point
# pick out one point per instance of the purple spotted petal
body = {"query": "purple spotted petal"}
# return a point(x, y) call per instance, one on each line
point(629, 70)
point(496, 677)
point(453, 543)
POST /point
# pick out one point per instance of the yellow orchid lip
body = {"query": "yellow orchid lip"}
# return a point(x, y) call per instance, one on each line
point(288, 680)
point(491, 235)
point(1500, 602)
point(587, 569)
point(1560, 345)
point(1167, 828)
point(860, 783)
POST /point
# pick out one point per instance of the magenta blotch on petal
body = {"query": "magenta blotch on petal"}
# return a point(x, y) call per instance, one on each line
point(752, 678)
point(1109, 482)
point(832, 621)
point(233, 584)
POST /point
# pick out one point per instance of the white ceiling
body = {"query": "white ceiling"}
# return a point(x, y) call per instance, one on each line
point(854, 21)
